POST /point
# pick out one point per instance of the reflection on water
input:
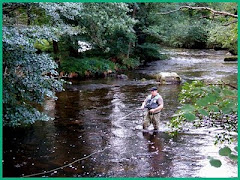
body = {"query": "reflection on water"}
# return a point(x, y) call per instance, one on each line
point(91, 115)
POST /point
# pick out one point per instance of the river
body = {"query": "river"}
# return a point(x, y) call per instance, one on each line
point(90, 116)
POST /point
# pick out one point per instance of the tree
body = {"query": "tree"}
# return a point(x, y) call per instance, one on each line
point(147, 31)
point(28, 77)
point(200, 25)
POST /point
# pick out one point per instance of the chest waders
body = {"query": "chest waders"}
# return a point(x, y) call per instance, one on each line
point(152, 118)
point(152, 103)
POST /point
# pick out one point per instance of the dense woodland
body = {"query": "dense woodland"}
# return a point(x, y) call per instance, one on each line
point(43, 42)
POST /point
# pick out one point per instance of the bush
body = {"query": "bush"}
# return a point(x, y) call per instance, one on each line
point(184, 35)
point(87, 66)
point(43, 45)
point(28, 77)
point(131, 63)
point(224, 37)
point(149, 51)
point(207, 105)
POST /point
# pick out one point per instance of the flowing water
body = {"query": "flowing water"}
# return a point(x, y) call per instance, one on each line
point(91, 117)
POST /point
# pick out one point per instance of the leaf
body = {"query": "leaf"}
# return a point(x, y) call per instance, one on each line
point(227, 92)
point(188, 108)
point(226, 110)
point(233, 157)
point(215, 162)
point(236, 148)
point(226, 151)
point(189, 116)
point(211, 98)
point(217, 89)
point(203, 112)
point(196, 91)
point(202, 102)
point(213, 108)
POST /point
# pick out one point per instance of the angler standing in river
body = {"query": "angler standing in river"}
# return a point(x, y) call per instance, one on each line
point(154, 104)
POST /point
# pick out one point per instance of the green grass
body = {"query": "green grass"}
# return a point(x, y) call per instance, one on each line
point(91, 66)
point(95, 66)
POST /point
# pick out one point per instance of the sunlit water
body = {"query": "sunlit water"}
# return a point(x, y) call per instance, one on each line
point(91, 115)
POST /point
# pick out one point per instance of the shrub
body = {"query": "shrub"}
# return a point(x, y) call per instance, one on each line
point(43, 45)
point(93, 66)
point(149, 51)
point(131, 63)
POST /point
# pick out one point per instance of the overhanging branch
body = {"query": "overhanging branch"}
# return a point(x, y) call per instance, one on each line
point(223, 13)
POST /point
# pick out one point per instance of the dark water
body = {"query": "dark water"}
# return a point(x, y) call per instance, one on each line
point(91, 115)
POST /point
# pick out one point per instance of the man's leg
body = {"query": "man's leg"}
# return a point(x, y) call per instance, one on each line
point(156, 119)
point(146, 122)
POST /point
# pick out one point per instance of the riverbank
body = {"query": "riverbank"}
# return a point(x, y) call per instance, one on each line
point(95, 67)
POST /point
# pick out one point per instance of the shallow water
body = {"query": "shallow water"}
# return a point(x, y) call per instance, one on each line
point(91, 115)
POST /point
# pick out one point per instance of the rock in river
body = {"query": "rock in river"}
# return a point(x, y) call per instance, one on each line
point(122, 76)
point(231, 58)
point(168, 78)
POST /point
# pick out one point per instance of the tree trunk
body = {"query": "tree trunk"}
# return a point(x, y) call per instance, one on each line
point(55, 47)
point(29, 16)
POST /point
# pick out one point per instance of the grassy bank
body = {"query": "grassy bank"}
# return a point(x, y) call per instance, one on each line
point(94, 66)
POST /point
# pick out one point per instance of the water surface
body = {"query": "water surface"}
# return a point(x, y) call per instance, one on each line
point(91, 115)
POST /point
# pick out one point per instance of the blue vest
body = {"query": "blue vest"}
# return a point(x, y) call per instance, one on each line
point(152, 103)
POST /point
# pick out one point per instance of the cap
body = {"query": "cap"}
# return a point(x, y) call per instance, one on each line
point(153, 89)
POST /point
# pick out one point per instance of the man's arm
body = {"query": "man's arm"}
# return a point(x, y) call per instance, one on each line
point(143, 104)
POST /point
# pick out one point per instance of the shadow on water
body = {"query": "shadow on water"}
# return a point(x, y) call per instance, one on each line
point(91, 115)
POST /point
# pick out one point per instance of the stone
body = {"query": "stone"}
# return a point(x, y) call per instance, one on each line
point(72, 75)
point(122, 76)
point(168, 78)
point(231, 58)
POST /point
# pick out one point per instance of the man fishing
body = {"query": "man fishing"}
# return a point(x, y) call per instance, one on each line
point(154, 104)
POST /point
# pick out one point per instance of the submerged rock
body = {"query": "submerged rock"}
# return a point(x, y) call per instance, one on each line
point(122, 76)
point(168, 78)
point(231, 58)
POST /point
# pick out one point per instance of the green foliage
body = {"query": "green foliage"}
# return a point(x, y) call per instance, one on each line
point(215, 103)
point(43, 45)
point(108, 26)
point(198, 29)
point(149, 51)
point(147, 31)
point(232, 154)
point(187, 35)
point(224, 37)
point(24, 13)
point(91, 66)
point(226, 151)
point(223, 30)
point(215, 162)
point(28, 77)
point(130, 63)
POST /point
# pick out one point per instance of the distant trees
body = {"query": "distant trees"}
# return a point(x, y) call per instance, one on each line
point(200, 25)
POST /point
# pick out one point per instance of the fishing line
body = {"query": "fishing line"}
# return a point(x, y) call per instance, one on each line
point(46, 172)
